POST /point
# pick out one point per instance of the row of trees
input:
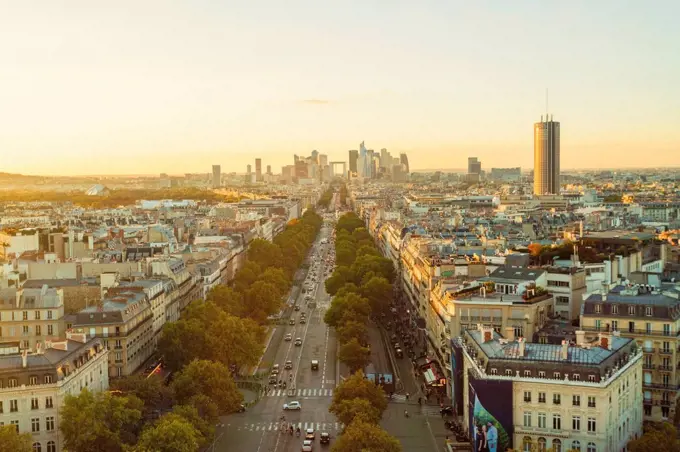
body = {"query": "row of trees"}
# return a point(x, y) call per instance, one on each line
point(204, 348)
point(326, 197)
point(362, 286)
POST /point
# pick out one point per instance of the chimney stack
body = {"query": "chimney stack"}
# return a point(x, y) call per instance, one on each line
point(510, 333)
point(565, 350)
point(522, 346)
point(580, 338)
point(605, 341)
point(24, 358)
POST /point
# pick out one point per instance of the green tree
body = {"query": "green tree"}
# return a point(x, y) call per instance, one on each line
point(353, 330)
point(150, 390)
point(233, 340)
point(246, 275)
point(379, 293)
point(228, 299)
point(345, 254)
point(205, 427)
point(341, 275)
point(356, 386)
point(354, 355)
point(348, 410)
point(172, 433)
point(656, 438)
point(340, 306)
point(211, 379)
point(265, 254)
point(361, 234)
point(346, 289)
point(368, 250)
point(12, 441)
point(95, 422)
point(182, 342)
point(361, 436)
point(349, 222)
point(379, 265)
point(263, 299)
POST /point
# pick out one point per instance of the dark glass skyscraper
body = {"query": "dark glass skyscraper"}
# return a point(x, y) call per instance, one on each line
point(353, 158)
point(547, 157)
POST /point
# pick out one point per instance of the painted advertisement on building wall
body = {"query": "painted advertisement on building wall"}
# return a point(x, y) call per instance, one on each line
point(457, 377)
point(490, 412)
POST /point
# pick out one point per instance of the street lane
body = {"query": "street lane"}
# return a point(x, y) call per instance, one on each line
point(259, 429)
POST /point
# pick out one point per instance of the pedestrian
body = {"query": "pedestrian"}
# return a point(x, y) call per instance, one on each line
point(407, 395)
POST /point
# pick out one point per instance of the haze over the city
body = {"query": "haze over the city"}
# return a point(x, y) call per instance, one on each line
point(145, 87)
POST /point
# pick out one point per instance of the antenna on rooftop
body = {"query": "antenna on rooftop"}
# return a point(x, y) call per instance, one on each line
point(546, 105)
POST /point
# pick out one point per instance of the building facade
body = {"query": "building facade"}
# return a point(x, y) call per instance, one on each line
point(547, 157)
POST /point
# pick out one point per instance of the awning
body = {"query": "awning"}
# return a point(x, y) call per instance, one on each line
point(429, 376)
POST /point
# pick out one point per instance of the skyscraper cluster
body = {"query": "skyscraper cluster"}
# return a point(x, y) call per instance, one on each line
point(308, 170)
point(368, 164)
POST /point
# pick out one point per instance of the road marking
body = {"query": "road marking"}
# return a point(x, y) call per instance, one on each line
point(325, 356)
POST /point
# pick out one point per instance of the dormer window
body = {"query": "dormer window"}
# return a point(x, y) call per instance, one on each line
point(598, 308)
point(615, 309)
point(631, 310)
point(494, 371)
point(508, 372)
point(648, 311)
point(12, 383)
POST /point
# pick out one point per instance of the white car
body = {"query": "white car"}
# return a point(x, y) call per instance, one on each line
point(295, 405)
point(307, 446)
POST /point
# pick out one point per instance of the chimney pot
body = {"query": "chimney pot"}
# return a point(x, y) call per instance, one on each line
point(580, 337)
point(510, 333)
point(565, 350)
point(522, 346)
point(24, 358)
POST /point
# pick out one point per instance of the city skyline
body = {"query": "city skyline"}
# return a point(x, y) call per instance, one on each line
point(176, 95)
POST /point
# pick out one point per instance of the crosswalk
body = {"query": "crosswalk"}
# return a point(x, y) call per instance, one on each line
point(274, 426)
point(316, 392)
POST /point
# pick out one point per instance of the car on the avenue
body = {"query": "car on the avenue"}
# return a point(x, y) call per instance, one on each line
point(288, 365)
point(325, 438)
point(291, 322)
point(303, 320)
point(315, 364)
point(273, 379)
point(298, 341)
point(294, 405)
point(288, 338)
point(446, 411)
point(297, 307)
point(310, 434)
point(307, 446)
point(399, 352)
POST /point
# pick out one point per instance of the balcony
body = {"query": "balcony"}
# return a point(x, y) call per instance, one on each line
point(640, 331)
point(666, 368)
point(666, 351)
point(667, 386)
point(648, 349)
point(648, 366)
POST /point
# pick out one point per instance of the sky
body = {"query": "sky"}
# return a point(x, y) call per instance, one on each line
point(144, 87)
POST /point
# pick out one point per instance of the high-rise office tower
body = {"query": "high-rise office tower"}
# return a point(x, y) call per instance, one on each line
point(323, 160)
point(315, 156)
point(258, 169)
point(474, 165)
point(353, 158)
point(404, 161)
point(269, 169)
point(547, 157)
point(385, 159)
point(217, 176)
point(249, 169)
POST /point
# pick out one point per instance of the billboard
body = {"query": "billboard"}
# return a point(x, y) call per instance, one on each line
point(457, 369)
point(491, 401)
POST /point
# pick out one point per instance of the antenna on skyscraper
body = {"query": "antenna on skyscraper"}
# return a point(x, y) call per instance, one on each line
point(546, 104)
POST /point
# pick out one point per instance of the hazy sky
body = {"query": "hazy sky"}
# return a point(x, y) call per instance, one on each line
point(94, 87)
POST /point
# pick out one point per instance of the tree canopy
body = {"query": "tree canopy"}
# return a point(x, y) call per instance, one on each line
point(354, 355)
point(171, 433)
point(95, 422)
point(347, 410)
point(362, 436)
point(12, 441)
point(357, 386)
point(657, 438)
point(211, 379)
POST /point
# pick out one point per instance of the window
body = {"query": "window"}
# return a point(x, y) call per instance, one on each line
point(508, 372)
point(34, 403)
point(51, 446)
point(48, 379)
point(666, 329)
point(37, 447)
point(527, 373)
point(49, 423)
point(35, 424)
point(591, 378)
point(648, 311)
point(15, 423)
point(576, 423)
point(13, 406)
point(32, 380)
point(592, 447)
point(541, 397)
point(37, 330)
point(557, 399)
point(37, 315)
point(557, 422)
point(541, 374)
point(556, 375)
point(557, 445)
point(1, 410)
point(591, 401)
point(576, 400)
point(592, 425)
point(24, 315)
point(541, 420)
point(631, 310)
point(48, 402)
point(527, 396)
point(526, 444)
point(527, 419)
point(615, 309)
point(541, 444)
point(598, 308)
point(494, 371)
point(576, 445)
point(25, 330)
point(615, 325)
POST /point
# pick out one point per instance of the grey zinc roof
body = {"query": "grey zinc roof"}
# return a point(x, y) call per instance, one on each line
point(494, 349)
point(516, 273)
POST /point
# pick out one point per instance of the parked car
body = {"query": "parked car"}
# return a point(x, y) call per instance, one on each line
point(294, 405)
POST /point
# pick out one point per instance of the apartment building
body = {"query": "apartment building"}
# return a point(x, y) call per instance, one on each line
point(124, 320)
point(33, 385)
point(538, 396)
point(650, 316)
point(155, 291)
point(31, 316)
point(568, 285)
point(189, 287)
